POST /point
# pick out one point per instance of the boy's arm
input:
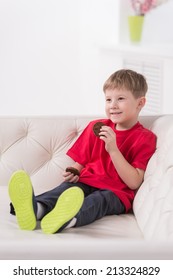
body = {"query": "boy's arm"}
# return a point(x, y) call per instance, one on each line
point(131, 176)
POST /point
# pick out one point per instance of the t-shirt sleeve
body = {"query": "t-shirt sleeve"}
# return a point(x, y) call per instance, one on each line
point(144, 149)
point(82, 149)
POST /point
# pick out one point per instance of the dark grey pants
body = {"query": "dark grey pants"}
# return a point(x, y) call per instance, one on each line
point(97, 202)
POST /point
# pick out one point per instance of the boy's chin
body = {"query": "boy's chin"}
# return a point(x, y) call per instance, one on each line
point(116, 118)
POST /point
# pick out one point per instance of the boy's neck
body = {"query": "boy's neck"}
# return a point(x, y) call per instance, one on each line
point(125, 126)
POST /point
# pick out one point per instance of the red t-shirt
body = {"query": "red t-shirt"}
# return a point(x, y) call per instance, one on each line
point(136, 144)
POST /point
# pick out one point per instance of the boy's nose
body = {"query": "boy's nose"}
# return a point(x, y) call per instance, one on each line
point(114, 104)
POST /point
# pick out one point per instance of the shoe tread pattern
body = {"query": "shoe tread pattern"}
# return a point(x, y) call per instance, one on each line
point(21, 195)
point(67, 206)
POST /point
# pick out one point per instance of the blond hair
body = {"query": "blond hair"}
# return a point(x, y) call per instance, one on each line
point(129, 80)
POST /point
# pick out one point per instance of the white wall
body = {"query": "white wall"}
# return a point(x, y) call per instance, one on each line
point(39, 55)
point(158, 25)
point(48, 55)
point(98, 26)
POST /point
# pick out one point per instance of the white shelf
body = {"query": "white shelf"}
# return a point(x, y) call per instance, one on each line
point(164, 50)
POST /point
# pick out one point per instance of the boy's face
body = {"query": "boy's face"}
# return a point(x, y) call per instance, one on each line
point(122, 107)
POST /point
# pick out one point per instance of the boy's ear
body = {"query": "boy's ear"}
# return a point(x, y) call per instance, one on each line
point(142, 101)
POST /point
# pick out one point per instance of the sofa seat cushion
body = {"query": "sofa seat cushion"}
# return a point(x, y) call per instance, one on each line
point(72, 243)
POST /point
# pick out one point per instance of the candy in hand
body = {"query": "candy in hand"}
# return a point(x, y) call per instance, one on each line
point(72, 170)
point(96, 128)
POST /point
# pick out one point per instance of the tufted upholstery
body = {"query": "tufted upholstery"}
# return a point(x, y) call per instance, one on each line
point(153, 205)
point(38, 145)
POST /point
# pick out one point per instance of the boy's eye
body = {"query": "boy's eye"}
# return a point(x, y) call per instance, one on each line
point(120, 98)
point(108, 100)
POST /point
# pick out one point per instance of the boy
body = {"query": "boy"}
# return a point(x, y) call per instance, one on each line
point(110, 167)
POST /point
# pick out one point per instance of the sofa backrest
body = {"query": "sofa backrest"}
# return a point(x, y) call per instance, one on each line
point(38, 145)
point(153, 204)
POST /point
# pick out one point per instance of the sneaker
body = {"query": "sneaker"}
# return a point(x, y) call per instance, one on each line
point(67, 206)
point(22, 198)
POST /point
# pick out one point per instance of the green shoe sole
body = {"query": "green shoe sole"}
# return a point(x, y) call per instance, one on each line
point(67, 206)
point(21, 195)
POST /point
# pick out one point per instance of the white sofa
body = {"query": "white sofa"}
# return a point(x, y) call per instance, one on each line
point(38, 145)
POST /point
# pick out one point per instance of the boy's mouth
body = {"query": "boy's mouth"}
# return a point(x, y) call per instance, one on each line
point(116, 113)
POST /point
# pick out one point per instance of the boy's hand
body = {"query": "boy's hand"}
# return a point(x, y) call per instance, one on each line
point(70, 176)
point(109, 137)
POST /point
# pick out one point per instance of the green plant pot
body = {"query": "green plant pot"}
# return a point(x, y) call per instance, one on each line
point(135, 27)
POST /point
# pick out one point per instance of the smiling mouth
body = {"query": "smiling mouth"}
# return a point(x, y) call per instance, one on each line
point(116, 113)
